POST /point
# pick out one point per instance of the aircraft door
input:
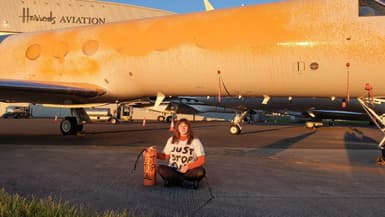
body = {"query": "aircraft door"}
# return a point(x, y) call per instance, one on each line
point(299, 67)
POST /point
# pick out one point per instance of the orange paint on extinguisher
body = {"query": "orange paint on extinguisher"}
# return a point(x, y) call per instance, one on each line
point(149, 166)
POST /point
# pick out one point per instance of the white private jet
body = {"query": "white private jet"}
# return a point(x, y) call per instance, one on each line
point(294, 48)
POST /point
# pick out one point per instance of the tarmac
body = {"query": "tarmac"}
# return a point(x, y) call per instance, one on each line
point(268, 170)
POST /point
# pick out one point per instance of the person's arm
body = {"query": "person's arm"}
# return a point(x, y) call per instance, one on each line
point(201, 159)
point(162, 156)
point(198, 163)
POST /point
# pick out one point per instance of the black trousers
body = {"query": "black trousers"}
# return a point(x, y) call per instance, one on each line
point(172, 175)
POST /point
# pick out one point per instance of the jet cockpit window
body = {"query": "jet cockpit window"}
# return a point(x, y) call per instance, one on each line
point(371, 8)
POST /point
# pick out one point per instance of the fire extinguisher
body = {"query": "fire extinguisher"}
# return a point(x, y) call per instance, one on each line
point(149, 166)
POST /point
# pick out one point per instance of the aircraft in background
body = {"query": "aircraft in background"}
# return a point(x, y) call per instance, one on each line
point(171, 107)
point(303, 48)
point(315, 109)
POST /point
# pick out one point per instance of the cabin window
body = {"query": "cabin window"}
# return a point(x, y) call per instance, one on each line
point(371, 8)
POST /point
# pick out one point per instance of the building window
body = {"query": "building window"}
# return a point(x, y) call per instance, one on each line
point(371, 8)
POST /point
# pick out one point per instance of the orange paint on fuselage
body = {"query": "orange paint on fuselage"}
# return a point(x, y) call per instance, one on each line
point(61, 58)
point(206, 30)
point(260, 49)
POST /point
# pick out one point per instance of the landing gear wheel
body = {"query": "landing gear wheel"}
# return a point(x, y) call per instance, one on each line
point(169, 119)
point(234, 130)
point(309, 125)
point(68, 126)
point(313, 124)
point(160, 118)
point(114, 121)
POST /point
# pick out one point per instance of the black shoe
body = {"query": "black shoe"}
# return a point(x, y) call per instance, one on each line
point(171, 182)
point(190, 184)
point(195, 184)
point(167, 183)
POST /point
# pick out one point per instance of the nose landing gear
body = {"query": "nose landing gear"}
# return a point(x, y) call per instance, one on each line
point(235, 127)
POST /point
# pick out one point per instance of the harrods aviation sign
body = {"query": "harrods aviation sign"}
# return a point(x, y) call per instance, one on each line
point(28, 17)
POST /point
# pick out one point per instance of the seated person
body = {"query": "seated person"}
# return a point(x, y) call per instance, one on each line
point(186, 157)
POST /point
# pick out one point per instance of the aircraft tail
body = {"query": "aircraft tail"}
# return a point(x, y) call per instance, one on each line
point(208, 5)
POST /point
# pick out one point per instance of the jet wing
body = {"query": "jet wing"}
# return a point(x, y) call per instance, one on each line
point(48, 92)
point(343, 115)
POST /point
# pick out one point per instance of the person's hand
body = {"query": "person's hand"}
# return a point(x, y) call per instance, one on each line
point(183, 169)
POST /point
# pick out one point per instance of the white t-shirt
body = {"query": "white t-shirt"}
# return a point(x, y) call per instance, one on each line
point(181, 153)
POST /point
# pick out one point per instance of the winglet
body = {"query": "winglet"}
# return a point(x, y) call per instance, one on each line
point(159, 99)
point(208, 5)
point(266, 99)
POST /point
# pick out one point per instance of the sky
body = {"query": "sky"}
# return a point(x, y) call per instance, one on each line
point(186, 6)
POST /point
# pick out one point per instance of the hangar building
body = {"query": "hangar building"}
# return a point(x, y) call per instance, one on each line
point(36, 15)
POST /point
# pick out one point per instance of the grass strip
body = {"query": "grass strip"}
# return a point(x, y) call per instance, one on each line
point(17, 206)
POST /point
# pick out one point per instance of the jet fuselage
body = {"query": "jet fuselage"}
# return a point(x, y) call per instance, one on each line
point(300, 48)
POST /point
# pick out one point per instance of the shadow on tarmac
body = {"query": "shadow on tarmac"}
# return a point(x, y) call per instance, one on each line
point(267, 130)
point(355, 139)
point(125, 131)
point(275, 147)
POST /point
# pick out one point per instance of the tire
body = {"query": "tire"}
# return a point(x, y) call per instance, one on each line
point(234, 130)
point(114, 121)
point(160, 118)
point(169, 119)
point(309, 125)
point(68, 126)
